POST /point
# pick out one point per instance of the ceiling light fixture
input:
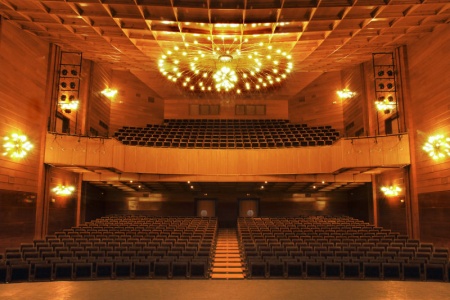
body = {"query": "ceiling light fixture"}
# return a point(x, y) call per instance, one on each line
point(225, 64)
point(16, 145)
point(437, 146)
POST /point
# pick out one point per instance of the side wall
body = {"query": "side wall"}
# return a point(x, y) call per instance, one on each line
point(180, 108)
point(135, 104)
point(23, 109)
point(318, 103)
point(392, 210)
point(429, 75)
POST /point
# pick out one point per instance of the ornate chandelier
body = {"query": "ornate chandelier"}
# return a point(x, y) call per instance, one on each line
point(225, 64)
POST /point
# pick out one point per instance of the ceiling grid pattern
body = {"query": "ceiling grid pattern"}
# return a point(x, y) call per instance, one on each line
point(321, 35)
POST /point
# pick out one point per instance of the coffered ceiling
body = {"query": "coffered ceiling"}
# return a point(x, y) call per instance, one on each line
point(321, 35)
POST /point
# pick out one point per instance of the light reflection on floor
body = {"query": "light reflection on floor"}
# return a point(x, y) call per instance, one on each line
point(222, 289)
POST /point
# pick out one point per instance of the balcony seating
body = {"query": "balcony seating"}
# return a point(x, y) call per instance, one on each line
point(228, 134)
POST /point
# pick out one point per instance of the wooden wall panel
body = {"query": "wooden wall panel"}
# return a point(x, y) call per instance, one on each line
point(62, 209)
point(392, 210)
point(93, 202)
point(17, 217)
point(23, 105)
point(303, 160)
point(360, 202)
point(208, 205)
point(429, 94)
point(179, 108)
point(434, 210)
point(354, 109)
point(99, 106)
point(317, 104)
point(135, 104)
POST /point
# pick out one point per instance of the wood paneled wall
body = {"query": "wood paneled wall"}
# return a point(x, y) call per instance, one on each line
point(23, 106)
point(318, 103)
point(360, 203)
point(98, 106)
point(392, 210)
point(354, 109)
point(434, 211)
point(428, 105)
point(94, 202)
point(62, 209)
point(109, 153)
point(135, 104)
point(17, 218)
point(179, 109)
point(429, 76)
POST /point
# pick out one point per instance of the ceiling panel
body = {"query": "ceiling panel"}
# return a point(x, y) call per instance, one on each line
point(321, 35)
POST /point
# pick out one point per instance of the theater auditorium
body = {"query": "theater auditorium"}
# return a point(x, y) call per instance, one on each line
point(229, 149)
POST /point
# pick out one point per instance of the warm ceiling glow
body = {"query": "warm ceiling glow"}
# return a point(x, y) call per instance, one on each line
point(16, 145)
point(391, 191)
point(62, 190)
point(345, 94)
point(110, 93)
point(437, 146)
point(225, 64)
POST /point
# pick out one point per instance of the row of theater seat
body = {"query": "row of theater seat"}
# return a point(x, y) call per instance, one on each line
point(116, 247)
point(336, 247)
point(227, 134)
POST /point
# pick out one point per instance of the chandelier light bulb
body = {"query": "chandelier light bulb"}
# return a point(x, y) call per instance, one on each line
point(345, 94)
point(437, 146)
point(16, 146)
point(225, 64)
point(62, 190)
point(385, 105)
point(391, 191)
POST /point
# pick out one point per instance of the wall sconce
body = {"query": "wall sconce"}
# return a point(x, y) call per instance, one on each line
point(110, 93)
point(62, 190)
point(437, 146)
point(16, 145)
point(391, 191)
point(68, 106)
point(345, 94)
point(385, 105)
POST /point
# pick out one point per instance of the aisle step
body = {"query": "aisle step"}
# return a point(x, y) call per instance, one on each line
point(227, 262)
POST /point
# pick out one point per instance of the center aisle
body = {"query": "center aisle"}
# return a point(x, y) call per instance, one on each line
point(227, 262)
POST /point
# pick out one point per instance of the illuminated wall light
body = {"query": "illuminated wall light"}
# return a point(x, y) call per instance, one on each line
point(437, 146)
point(16, 145)
point(110, 93)
point(62, 190)
point(391, 191)
point(345, 94)
point(67, 107)
point(385, 106)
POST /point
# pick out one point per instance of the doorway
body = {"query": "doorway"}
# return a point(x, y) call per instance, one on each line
point(248, 208)
point(205, 207)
